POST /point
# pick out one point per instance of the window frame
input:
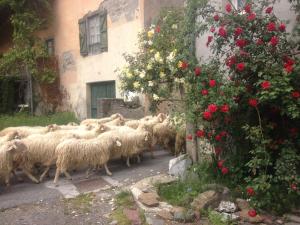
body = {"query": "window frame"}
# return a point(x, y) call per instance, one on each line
point(47, 41)
point(236, 4)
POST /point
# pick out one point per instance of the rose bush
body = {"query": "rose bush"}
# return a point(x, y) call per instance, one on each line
point(248, 97)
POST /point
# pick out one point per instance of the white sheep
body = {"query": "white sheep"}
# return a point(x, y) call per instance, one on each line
point(10, 136)
point(25, 131)
point(12, 156)
point(41, 149)
point(102, 120)
point(89, 153)
point(116, 122)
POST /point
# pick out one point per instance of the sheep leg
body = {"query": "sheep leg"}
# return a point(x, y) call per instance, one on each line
point(68, 176)
point(7, 180)
point(128, 162)
point(44, 173)
point(87, 175)
point(57, 174)
point(30, 176)
point(20, 179)
point(107, 170)
point(138, 159)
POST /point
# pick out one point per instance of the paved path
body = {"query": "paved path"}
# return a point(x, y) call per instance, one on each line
point(28, 203)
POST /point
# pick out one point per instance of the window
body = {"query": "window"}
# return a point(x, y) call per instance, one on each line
point(93, 33)
point(239, 3)
point(50, 46)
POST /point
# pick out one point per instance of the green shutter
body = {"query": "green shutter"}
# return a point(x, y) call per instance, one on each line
point(103, 31)
point(83, 38)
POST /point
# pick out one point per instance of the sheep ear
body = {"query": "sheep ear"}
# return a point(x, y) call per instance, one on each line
point(102, 128)
point(146, 138)
point(119, 144)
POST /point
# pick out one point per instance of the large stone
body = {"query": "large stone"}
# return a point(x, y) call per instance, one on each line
point(227, 207)
point(149, 199)
point(184, 216)
point(245, 217)
point(205, 199)
point(292, 218)
point(133, 216)
point(242, 204)
point(152, 220)
point(179, 165)
point(164, 214)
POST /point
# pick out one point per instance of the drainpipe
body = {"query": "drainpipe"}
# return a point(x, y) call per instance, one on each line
point(29, 77)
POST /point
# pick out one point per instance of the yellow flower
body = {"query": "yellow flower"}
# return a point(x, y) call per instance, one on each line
point(136, 85)
point(179, 64)
point(162, 74)
point(150, 33)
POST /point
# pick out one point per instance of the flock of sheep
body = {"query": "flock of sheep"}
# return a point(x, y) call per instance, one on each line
point(91, 145)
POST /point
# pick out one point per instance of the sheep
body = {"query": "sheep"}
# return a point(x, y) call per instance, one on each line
point(116, 122)
point(41, 149)
point(135, 123)
point(77, 153)
point(133, 141)
point(25, 131)
point(164, 134)
point(101, 121)
point(13, 155)
point(10, 136)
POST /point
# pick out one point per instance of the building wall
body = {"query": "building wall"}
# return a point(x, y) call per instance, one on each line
point(76, 71)
point(282, 10)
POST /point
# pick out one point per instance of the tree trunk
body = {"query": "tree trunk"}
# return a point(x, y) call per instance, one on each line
point(191, 145)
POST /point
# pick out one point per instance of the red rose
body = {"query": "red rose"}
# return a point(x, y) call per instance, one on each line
point(247, 8)
point(241, 43)
point(294, 187)
point(200, 133)
point(289, 68)
point(265, 85)
point(218, 137)
point(184, 65)
point(220, 163)
point(209, 40)
point(197, 71)
point(250, 191)
point(269, 10)
point(231, 61)
point(253, 102)
point(224, 170)
point(218, 150)
point(296, 94)
point(251, 17)
point(240, 67)
point(212, 108)
point(282, 27)
point(238, 31)
point(223, 133)
point(274, 41)
point(228, 8)
point(222, 32)
point(259, 42)
point(212, 83)
point(189, 137)
point(216, 17)
point(289, 61)
point(212, 29)
point(157, 29)
point(207, 115)
point(224, 108)
point(271, 26)
point(204, 92)
point(252, 213)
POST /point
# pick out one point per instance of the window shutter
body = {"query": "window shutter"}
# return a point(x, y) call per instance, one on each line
point(103, 31)
point(83, 38)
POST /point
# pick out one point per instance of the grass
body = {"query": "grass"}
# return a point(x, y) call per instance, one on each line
point(216, 219)
point(82, 203)
point(24, 119)
point(125, 200)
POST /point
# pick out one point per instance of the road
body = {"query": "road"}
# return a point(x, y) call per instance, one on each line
point(28, 204)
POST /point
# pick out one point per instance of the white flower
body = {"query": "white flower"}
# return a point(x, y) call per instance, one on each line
point(150, 83)
point(157, 56)
point(171, 56)
point(150, 42)
point(179, 80)
point(142, 74)
point(136, 71)
point(155, 97)
point(129, 74)
point(162, 74)
point(149, 66)
point(136, 85)
point(175, 26)
point(152, 26)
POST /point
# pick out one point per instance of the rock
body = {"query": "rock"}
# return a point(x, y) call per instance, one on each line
point(177, 209)
point(292, 218)
point(245, 217)
point(230, 216)
point(227, 207)
point(114, 222)
point(279, 221)
point(133, 216)
point(179, 216)
point(242, 204)
point(184, 216)
point(149, 199)
point(205, 199)
point(291, 223)
point(152, 220)
point(164, 214)
point(268, 219)
point(179, 165)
